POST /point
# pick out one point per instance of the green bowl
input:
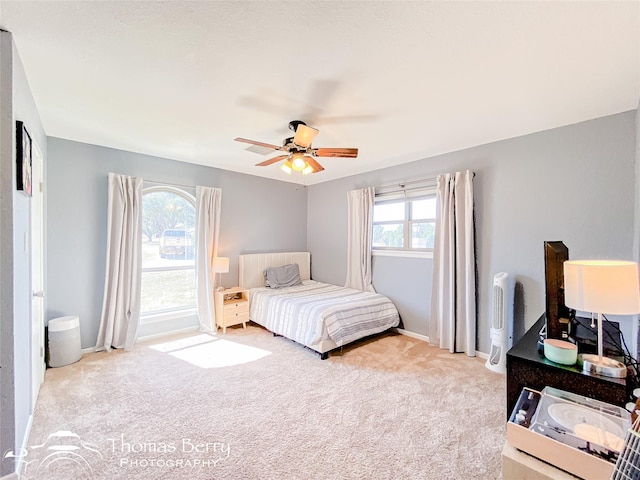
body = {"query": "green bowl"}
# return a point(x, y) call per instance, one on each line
point(560, 351)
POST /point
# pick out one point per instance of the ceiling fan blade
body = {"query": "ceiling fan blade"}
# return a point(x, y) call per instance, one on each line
point(260, 144)
point(314, 164)
point(271, 160)
point(336, 152)
point(304, 135)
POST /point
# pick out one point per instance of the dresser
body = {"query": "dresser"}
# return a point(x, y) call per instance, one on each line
point(232, 308)
point(527, 367)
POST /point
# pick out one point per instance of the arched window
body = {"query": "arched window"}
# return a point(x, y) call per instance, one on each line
point(168, 250)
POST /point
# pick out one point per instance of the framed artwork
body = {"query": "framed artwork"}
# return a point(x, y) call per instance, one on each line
point(23, 159)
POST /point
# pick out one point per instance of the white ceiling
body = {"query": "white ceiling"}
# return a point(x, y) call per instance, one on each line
point(401, 81)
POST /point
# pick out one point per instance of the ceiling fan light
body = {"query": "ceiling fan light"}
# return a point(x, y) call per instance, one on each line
point(286, 167)
point(307, 170)
point(298, 162)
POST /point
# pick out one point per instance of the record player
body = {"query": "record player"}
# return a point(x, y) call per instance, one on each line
point(578, 434)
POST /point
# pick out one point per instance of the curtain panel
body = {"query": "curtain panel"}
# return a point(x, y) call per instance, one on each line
point(123, 279)
point(208, 202)
point(360, 230)
point(453, 300)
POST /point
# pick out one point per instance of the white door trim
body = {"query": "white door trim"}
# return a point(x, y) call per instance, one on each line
point(37, 274)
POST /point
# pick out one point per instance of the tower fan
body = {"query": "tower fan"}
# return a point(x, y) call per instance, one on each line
point(501, 323)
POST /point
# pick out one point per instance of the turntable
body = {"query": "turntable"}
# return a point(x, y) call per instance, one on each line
point(578, 434)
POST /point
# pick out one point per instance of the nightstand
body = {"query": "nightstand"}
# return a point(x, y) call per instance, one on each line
point(232, 308)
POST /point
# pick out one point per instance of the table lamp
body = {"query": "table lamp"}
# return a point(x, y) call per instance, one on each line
point(220, 265)
point(602, 287)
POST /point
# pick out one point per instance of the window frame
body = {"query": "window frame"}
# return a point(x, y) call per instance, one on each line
point(175, 312)
point(406, 250)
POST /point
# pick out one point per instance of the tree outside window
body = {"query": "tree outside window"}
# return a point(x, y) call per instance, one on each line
point(406, 224)
point(168, 266)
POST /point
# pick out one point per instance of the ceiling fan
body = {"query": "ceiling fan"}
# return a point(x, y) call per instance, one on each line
point(299, 154)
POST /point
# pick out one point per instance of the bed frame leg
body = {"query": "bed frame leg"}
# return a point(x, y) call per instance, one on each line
point(324, 356)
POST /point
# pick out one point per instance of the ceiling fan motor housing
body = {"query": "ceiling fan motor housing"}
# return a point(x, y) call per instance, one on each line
point(293, 124)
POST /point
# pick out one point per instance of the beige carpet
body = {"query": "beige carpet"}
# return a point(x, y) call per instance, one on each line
point(247, 405)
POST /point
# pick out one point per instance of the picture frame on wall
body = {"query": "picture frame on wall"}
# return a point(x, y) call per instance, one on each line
point(23, 159)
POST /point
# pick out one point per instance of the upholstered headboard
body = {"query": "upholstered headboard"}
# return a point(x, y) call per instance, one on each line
point(253, 265)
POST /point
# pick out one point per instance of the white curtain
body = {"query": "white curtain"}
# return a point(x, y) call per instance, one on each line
point(360, 226)
point(453, 299)
point(208, 202)
point(121, 304)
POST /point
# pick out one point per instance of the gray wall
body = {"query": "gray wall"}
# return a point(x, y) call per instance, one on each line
point(574, 184)
point(404, 280)
point(16, 103)
point(257, 215)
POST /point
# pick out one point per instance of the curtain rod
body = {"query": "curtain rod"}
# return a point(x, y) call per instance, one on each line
point(412, 182)
point(402, 185)
point(167, 184)
point(398, 187)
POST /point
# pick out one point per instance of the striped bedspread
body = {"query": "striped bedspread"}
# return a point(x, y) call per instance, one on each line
point(313, 311)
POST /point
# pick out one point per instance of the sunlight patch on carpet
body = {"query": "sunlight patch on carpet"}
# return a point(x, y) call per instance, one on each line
point(211, 352)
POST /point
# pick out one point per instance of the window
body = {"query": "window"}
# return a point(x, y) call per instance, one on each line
point(168, 265)
point(406, 224)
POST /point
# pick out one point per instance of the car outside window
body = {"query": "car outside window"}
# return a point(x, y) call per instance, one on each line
point(168, 266)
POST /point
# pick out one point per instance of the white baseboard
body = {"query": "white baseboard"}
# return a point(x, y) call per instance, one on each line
point(424, 338)
point(172, 332)
point(147, 337)
point(482, 355)
point(419, 336)
point(24, 448)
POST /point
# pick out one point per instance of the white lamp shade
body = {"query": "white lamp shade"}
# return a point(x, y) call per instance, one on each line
point(602, 286)
point(286, 167)
point(221, 265)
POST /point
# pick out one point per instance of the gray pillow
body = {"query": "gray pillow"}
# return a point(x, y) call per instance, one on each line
point(284, 276)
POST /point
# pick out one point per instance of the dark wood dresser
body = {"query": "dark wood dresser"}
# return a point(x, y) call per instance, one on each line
point(528, 368)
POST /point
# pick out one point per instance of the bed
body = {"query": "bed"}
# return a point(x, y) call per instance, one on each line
point(318, 315)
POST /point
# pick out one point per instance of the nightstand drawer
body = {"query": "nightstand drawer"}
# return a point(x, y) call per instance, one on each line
point(235, 317)
point(237, 307)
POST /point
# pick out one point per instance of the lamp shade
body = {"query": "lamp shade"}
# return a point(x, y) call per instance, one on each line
point(286, 167)
point(221, 265)
point(304, 135)
point(602, 286)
